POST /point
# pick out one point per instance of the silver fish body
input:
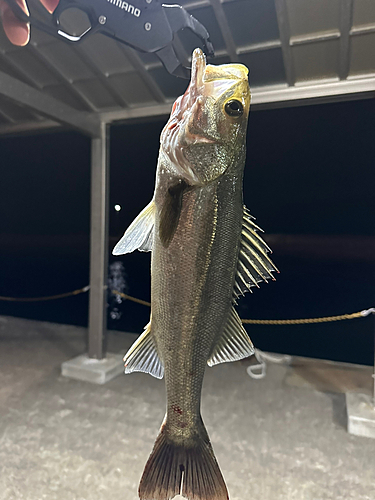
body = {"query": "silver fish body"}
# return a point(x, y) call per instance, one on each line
point(192, 288)
point(205, 253)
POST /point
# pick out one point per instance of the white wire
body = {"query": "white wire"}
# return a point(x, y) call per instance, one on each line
point(366, 312)
point(263, 358)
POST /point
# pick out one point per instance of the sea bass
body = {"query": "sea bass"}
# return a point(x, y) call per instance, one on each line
point(206, 251)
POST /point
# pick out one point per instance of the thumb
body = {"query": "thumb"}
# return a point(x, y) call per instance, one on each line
point(50, 5)
point(17, 31)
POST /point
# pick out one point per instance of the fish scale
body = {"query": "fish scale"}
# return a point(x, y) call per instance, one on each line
point(180, 325)
point(205, 253)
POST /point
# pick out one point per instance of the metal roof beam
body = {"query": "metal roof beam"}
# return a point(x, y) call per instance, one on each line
point(362, 30)
point(17, 69)
point(28, 127)
point(225, 29)
point(103, 79)
point(61, 77)
point(196, 4)
point(284, 29)
point(314, 38)
point(262, 98)
point(346, 17)
point(7, 117)
point(136, 113)
point(258, 47)
point(47, 106)
point(343, 90)
point(269, 97)
point(138, 65)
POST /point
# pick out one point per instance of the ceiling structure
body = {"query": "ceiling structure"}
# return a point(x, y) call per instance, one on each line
point(298, 52)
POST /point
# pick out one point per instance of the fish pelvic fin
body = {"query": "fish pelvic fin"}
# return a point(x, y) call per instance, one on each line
point(143, 355)
point(140, 233)
point(175, 468)
point(233, 344)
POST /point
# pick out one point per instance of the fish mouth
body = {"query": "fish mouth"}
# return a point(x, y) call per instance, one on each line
point(209, 80)
point(198, 69)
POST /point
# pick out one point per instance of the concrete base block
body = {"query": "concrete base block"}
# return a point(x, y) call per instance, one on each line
point(93, 370)
point(361, 414)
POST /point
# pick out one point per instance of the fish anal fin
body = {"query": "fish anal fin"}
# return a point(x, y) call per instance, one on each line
point(170, 212)
point(140, 233)
point(233, 344)
point(143, 356)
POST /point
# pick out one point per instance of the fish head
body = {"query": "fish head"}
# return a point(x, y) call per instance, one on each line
point(206, 131)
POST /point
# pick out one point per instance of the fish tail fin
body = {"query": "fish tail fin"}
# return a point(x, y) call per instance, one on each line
point(190, 470)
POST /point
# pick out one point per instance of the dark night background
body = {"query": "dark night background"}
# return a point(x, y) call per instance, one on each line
point(310, 171)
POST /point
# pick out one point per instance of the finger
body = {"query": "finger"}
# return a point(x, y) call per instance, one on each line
point(17, 31)
point(50, 5)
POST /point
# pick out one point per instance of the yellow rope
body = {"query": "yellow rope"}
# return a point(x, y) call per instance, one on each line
point(49, 297)
point(326, 319)
point(133, 299)
point(303, 321)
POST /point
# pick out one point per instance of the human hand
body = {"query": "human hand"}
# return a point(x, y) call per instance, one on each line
point(17, 31)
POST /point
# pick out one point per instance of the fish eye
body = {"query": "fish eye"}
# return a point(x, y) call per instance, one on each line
point(233, 108)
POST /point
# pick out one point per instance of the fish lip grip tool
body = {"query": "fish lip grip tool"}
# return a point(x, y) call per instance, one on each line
point(146, 25)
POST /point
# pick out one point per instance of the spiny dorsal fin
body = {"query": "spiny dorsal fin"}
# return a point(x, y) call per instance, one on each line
point(170, 212)
point(143, 356)
point(140, 233)
point(233, 344)
point(254, 265)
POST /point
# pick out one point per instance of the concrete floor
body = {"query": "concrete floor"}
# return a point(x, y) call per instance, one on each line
point(62, 439)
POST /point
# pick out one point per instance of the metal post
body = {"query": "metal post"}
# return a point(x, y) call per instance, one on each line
point(99, 244)
point(373, 375)
point(361, 407)
point(97, 366)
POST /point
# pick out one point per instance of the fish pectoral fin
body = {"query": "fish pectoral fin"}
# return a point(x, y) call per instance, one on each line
point(170, 212)
point(140, 233)
point(143, 356)
point(233, 344)
point(254, 265)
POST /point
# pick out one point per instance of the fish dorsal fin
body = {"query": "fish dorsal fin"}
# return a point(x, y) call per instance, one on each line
point(254, 265)
point(233, 344)
point(140, 233)
point(143, 356)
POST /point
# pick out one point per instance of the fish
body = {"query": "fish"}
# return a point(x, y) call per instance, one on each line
point(206, 252)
